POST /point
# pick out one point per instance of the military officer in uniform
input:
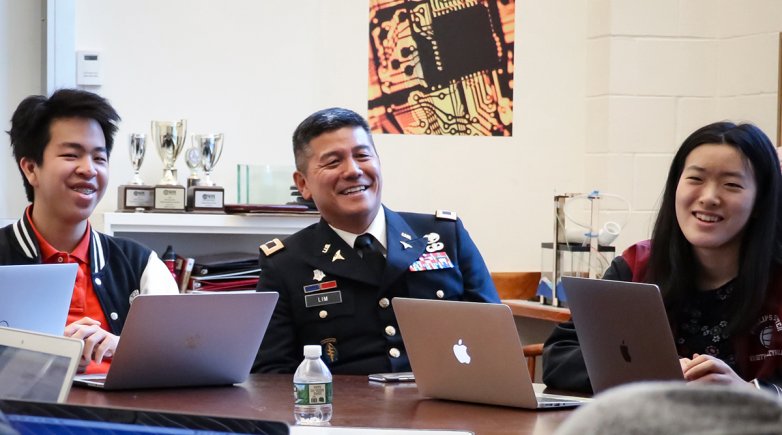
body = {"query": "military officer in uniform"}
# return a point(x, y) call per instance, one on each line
point(337, 278)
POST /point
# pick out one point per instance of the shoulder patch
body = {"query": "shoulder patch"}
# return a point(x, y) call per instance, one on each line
point(445, 214)
point(271, 247)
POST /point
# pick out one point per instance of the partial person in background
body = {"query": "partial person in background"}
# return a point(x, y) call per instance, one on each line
point(62, 145)
point(654, 408)
point(337, 278)
point(715, 253)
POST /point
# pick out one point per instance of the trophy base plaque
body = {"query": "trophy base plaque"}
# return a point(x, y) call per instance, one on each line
point(134, 197)
point(169, 198)
point(206, 198)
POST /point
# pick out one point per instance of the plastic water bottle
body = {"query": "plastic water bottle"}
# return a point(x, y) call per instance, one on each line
point(312, 389)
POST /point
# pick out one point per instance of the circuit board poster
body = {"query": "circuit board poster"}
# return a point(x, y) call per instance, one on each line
point(441, 67)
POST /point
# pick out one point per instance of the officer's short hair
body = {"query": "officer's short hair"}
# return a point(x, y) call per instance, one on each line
point(323, 121)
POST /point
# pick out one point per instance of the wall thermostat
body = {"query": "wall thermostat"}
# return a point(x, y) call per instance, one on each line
point(88, 71)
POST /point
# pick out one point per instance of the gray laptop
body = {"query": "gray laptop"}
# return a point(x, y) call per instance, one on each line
point(36, 366)
point(36, 297)
point(187, 340)
point(623, 332)
point(471, 352)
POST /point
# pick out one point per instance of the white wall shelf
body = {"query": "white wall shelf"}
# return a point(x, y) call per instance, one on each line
point(256, 223)
point(199, 233)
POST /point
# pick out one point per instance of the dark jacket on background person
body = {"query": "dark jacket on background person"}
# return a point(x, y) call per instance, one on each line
point(758, 352)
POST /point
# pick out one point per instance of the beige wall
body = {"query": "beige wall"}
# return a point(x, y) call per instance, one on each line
point(254, 69)
point(605, 91)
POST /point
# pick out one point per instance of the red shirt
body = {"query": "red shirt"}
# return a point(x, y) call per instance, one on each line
point(84, 302)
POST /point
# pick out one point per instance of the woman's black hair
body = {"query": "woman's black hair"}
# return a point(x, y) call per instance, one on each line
point(672, 264)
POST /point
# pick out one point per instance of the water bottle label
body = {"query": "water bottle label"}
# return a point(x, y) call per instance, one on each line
point(312, 394)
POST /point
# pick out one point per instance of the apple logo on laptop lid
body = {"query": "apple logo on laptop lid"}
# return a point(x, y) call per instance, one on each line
point(460, 352)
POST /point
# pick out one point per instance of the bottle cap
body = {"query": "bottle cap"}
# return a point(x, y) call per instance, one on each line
point(169, 254)
point(312, 351)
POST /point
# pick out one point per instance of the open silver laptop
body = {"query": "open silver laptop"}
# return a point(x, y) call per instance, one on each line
point(36, 297)
point(187, 340)
point(469, 351)
point(36, 366)
point(623, 332)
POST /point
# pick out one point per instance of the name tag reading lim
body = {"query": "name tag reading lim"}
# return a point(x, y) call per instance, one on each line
point(319, 299)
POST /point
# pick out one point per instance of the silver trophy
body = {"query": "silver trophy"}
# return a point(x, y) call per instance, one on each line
point(206, 196)
point(211, 146)
point(193, 161)
point(135, 196)
point(138, 146)
point(169, 137)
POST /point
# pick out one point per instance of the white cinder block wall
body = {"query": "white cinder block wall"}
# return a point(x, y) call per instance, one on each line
point(656, 71)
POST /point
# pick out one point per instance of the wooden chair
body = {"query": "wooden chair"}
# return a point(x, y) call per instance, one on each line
point(520, 285)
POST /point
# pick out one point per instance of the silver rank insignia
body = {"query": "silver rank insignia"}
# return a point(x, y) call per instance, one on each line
point(407, 236)
point(405, 245)
point(318, 275)
point(337, 256)
point(326, 248)
point(445, 214)
point(271, 247)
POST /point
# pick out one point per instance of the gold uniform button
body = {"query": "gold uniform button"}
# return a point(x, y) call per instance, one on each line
point(384, 303)
point(394, 352)
point(390, 331)
point(440, 294)
point(323, 314)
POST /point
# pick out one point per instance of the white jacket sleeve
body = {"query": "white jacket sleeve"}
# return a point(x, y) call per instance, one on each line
point(157, 279)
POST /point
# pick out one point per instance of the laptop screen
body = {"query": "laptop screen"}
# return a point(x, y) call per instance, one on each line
point(25, 424)
point(30, 375)
point(37, 417)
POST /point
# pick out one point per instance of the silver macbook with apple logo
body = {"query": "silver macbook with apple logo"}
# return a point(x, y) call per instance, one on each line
point(623, 332)
point(471, 352)
point(185, 340)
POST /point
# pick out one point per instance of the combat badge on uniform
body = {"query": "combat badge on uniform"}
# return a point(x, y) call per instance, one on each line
point(271, 247)
point(329, 349)
point(445, 214)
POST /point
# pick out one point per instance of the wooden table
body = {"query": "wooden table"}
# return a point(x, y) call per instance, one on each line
point(536, 310)
point(357, 403)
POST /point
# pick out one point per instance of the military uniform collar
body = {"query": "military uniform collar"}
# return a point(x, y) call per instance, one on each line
point(377, 228)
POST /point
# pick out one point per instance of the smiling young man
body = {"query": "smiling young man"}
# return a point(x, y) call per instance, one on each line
point(336, 278)
point(62, 146)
